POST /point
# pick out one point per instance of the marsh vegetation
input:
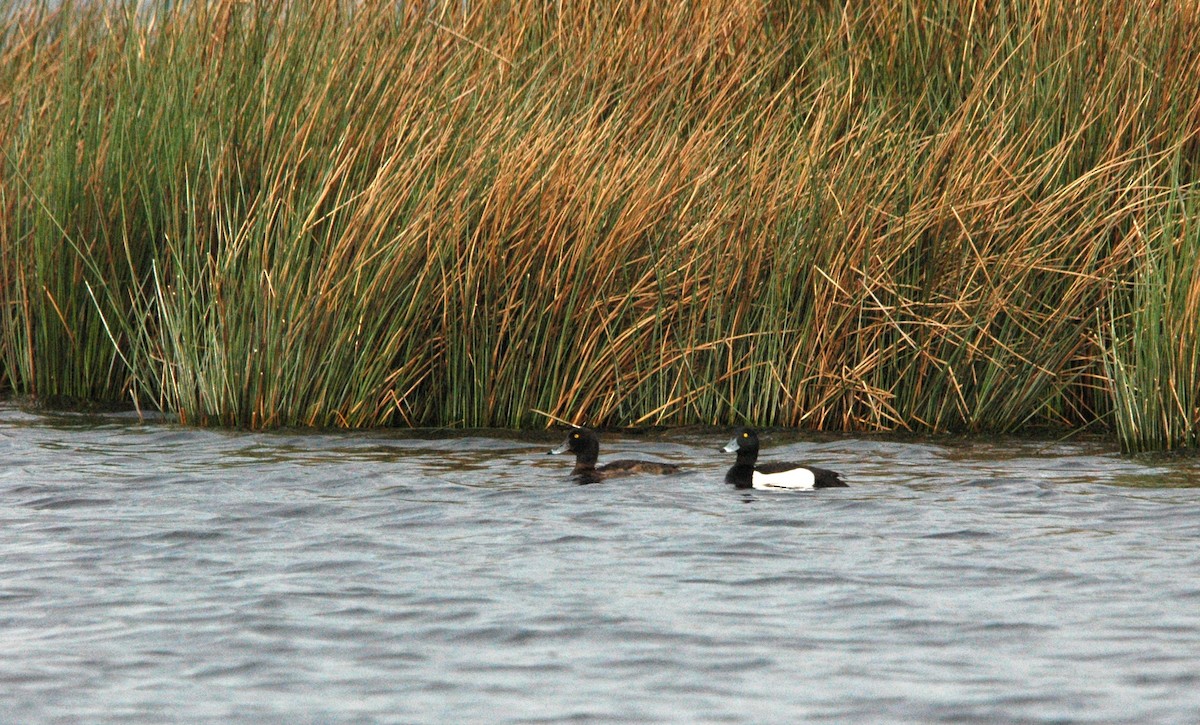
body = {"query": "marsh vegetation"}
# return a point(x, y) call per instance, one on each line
point(896, 215)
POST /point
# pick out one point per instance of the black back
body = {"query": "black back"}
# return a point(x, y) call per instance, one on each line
point(741, 475)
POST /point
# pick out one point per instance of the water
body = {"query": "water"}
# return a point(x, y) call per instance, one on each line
point(152, 573)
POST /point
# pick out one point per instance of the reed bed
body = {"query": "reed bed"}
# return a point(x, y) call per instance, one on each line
point(901, 215)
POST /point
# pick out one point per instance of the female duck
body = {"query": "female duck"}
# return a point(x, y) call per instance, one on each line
point(586, 446)
point(744, 474)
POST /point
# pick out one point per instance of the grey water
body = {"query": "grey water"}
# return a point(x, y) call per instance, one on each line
point(156, 573)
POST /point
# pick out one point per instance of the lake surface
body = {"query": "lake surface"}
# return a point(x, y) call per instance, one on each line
point(153, 573)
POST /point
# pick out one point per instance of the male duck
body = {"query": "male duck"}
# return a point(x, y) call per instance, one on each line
point(744, 474)
point(584, 443)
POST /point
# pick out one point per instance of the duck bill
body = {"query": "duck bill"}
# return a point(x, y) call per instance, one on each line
point(731, 446)
point(561, 449)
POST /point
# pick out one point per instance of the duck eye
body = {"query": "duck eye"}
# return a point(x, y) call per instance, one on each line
point(745, 435)
point(574, 435)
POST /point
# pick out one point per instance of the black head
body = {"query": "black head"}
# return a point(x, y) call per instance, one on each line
point(744, 443)
point(583, 442)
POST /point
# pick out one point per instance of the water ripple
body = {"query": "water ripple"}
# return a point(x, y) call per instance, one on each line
point(156, 573)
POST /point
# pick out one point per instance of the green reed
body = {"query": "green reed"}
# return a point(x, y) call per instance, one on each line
point(1153, 347)
point(926, 216)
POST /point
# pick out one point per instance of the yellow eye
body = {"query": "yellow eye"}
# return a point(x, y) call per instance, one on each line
point(574, 435)
point(745, 435)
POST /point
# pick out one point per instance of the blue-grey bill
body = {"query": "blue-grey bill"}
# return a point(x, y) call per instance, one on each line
point(561, 449)
point(731, 446)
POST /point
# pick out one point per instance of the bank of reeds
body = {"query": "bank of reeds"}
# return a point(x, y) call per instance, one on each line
point(895, 215)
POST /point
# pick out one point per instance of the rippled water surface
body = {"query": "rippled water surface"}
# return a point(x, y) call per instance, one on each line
point(153, 573)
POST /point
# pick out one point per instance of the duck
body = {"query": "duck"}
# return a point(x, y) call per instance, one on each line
point(776, 475)
point(585, 444)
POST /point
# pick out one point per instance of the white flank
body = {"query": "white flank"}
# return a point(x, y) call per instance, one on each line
point(797, 478)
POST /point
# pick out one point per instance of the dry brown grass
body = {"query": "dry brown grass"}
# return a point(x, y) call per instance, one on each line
point(930, 216)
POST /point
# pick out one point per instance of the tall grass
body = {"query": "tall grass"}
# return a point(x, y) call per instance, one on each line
point(897, 215)
point(1153, 347)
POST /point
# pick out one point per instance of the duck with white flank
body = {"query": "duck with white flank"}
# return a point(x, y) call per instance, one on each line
point(585, 444)
point(794, 476)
